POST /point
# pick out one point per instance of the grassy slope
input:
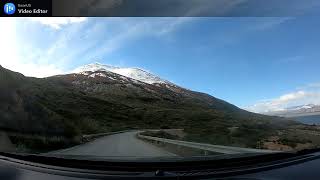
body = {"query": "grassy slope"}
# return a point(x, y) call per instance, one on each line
point(56, 106)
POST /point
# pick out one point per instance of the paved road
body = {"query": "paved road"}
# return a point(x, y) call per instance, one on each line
point(117, 145)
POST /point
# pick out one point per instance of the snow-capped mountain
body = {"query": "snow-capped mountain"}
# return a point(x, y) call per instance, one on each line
point(303, 110)
point(134, 73)
point(302, 107)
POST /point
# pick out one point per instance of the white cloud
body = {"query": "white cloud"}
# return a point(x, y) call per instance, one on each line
point(57, 22)
point(29, 58)
point(301, 97)
point(12, 58)
point(291, 97)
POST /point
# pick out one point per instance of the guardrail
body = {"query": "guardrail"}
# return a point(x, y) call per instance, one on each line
point(206, 147)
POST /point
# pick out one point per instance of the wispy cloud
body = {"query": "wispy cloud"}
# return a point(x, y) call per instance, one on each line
point(128, 30)
point(217, 8)
point(76, 44)
point(293, 59)
point(101, 38)
point(313, 85)
point(156, 8)
point(310, 87)
point(269, 23)
point(57, 22)
point(250, 26)
point(172, 25)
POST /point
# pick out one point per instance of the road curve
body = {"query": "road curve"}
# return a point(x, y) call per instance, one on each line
point(117, 145)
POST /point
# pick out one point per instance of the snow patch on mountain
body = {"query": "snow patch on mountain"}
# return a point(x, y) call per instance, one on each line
point(133, 73)
point(93, 75)
point(307, 106)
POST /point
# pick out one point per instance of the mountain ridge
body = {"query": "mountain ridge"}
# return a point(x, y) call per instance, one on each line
point(77, 103)
point(132, 72)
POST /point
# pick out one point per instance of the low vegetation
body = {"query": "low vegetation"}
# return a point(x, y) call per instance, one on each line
point(71, 105)
point(41, 144)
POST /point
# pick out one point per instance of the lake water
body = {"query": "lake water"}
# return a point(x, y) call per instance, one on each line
point(315, 119)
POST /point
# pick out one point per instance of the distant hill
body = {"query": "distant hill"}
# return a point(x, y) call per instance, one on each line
point(309, 119)
point(296, 111)
point(99, 100)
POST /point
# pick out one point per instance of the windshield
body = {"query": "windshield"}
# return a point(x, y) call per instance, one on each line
point(159, 87)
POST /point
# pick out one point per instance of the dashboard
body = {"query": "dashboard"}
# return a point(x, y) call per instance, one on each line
point(304, 167)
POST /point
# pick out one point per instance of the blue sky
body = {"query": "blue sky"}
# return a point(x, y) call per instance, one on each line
point(261, 64)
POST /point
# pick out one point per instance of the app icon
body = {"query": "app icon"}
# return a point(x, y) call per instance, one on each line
point(9, 8)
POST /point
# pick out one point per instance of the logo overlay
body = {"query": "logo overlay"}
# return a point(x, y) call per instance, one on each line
point(9, 8)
